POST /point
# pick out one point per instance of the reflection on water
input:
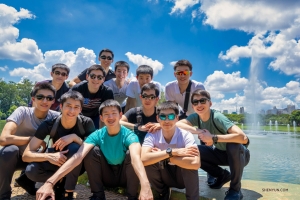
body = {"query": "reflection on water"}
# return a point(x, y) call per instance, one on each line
point(275, 157)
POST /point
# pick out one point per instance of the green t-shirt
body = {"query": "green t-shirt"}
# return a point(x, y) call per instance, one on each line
point(221, 121)
point(113, 147)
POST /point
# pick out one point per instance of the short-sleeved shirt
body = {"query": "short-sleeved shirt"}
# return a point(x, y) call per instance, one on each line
point(180, 139)
point(172, 93)
point(134, 90)
point(110, 74)
point(92, 101)
point(45, 128)
point(221, 121)
point(113, 147)
point(27, 122)
point(63, 89)
point(119, 93)
point(131, 117)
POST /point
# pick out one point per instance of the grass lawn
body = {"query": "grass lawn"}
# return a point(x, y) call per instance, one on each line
point(282, 128)
point(2, 123)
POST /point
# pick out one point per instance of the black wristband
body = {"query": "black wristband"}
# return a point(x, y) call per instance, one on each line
point(136, 129)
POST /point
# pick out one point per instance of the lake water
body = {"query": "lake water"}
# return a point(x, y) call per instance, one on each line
point(275, 157)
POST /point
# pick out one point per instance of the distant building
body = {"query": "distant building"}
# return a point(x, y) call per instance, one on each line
point(234, 113)
point(290, 108)
point(274, 111)
point(242, 110)
point(262, 112)
point(225, 111)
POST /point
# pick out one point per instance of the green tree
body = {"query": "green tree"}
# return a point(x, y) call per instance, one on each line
point(11, 109)
point(295, 116)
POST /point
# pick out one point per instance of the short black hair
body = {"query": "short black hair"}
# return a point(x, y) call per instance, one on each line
point(109, 103)
point(183, 63)
point(200, 92)
point(144, 69)
point(150, 86)
point(77, 96)
point(122, 64)
point(167, 105)
point(107, 50)
point(61, 66)
point(43, 86)
point(96, 67)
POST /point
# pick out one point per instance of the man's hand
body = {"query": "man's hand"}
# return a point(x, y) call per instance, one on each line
point(143, 128)
point(57, 158)
point(188, 151)
point(45, 191)
point(146, 193)
point(155, 149)
point(64, 141)
point(153, 127)
point(206, 137)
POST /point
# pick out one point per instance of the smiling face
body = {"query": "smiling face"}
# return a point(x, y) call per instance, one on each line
point(46, 97)
point(149, 99)
point(111, 116)
point(183, 79)
point(165, 122)
point(121, 73)
point(143, 79)
point(93, 79)
point(202, 109)
point(105, 59)
point(59, 75)
point(71, 108)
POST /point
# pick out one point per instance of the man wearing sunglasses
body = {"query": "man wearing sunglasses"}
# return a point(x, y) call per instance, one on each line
point(68, 137)
point(59, 73)
point(229, 144)
point(176, 90)
point(170, 155)
point(18, 131)
point(146, 113)
point(106, 57)
point(93, 92)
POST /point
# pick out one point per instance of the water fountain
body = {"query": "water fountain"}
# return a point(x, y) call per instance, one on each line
point(270, 125)
point(243, 127)
point(276, 125)
point(288, 127)
point(294, 125)
point(258, 126)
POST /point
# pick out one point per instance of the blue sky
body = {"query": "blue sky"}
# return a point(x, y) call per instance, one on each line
point(222, 39)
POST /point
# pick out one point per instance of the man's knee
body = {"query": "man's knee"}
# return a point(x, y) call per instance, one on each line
point(73, 148)
point(233, 148)
point(8, 153)
point(94, 152)
point(32, 171)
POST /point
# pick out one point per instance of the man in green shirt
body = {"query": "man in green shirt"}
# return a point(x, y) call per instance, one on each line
point(213, 128)
point(107, 159)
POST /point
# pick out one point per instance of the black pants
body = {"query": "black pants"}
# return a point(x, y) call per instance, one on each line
point(41, 171)
point(10, 161)
point(101, 174)
point(162, 176)
point(236, 157)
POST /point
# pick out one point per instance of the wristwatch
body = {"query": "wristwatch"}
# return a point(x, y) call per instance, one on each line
point(169, 151)
point(215, 139)
point(136, 129)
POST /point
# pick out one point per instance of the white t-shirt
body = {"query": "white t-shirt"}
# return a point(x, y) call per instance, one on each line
point(119, 93)
point(180, 139)
point(134, 90)
point(172, 93)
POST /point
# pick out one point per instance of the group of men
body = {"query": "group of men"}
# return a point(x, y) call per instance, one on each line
point(149, 145)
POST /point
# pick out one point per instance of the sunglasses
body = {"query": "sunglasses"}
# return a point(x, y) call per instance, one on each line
point(106, 57)
point(147, 97)
point(99, 77)
point(42, 97)
point(179, 73)
point(165, 117)
point(195, 102)
point(60, 73)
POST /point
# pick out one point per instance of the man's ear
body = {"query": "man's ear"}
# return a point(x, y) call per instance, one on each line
point(174, 74)
point(191, 73)
point(60, 106)
point(101, 118)
point(210, 103)
point(86, 76)
point(51, 74)
point(99, 58)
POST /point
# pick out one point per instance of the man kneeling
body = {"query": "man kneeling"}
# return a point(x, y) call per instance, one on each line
point(171, 155)
point(106, 160)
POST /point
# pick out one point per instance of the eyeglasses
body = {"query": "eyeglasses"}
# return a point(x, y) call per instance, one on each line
point(179, 73)
point(99, 77)
point(195, 102)
point(165, 117)
point(106, 57)
point(148, 97)
point(42, 97)
point(60, 73)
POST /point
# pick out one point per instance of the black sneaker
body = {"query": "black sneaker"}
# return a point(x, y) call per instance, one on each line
point(220, 181)
point(59, 188)
point(231, 194)
point(66, 196)
point(94, 197)
point(166, 195)
point(210, 179)
point(27, 184)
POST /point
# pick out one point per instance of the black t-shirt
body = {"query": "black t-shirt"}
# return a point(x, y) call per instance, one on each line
point(63, 89)
point(45, 128)
point(110, 74)
point(131, 117)
point(92, 101)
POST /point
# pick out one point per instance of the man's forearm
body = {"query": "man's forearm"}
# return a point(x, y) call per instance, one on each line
point(150, 158)
point(15, 140)
point(233, 138)
point(30, 156)
point(187, 127)
point(186, 162)
point(127, 124)
point(140, 170)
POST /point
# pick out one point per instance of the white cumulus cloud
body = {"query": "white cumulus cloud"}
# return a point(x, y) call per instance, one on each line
point(138, 60)
point(3, 68)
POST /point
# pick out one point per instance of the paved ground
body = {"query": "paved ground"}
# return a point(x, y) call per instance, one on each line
point(251, 189)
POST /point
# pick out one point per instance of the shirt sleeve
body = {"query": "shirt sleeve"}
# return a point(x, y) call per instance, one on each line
point(149, 140)
point(82, 75)
point(43, 130)
point(189, 139)
point(199, 86)
point(222, 122)
point(168, 93)
point(131, 138)
point(130, 89)
point(130, 115)
point(193, 119)
point(17, 116)
point(93, 138)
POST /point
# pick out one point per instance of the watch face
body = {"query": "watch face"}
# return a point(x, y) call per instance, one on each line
point(169, 150)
